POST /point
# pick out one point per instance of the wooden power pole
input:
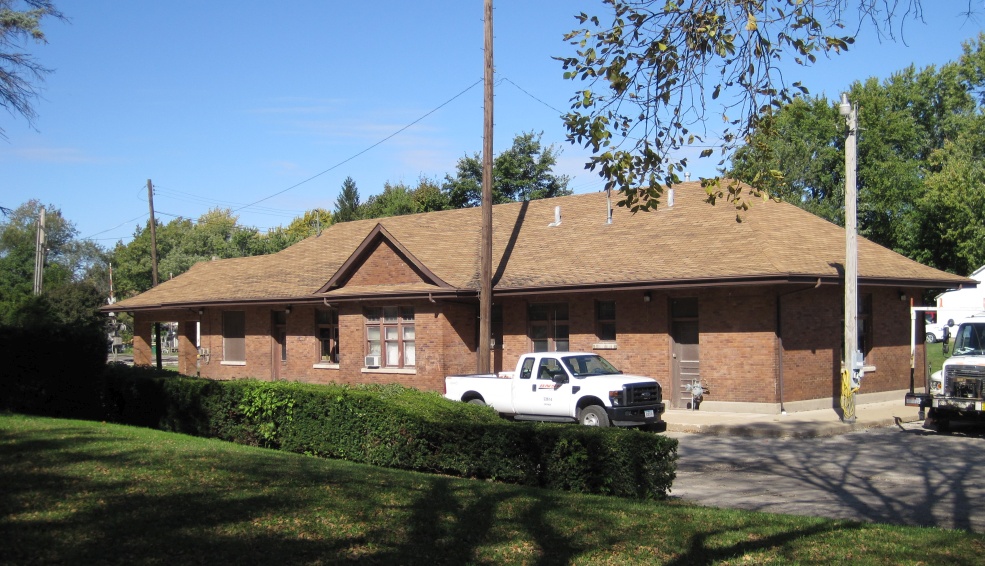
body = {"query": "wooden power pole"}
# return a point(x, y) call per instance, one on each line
point(485, 254)
point(153, 261)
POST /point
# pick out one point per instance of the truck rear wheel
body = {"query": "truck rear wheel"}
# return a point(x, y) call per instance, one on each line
point(593, 415)
point(477, 401)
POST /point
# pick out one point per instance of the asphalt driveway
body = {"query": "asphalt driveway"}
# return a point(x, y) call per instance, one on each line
point(902, 475)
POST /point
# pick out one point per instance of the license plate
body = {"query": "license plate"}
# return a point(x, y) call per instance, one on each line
point(648, 413)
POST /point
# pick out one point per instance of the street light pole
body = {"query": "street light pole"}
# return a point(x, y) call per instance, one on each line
point(850, 373)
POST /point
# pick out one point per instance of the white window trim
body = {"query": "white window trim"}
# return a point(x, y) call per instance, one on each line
point(403, 371)
point(325, 366)
point(232, 363)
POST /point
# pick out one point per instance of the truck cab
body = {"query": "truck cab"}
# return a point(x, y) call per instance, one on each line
point(957, 392)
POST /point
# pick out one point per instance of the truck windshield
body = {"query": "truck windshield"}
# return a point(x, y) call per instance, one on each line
point(589, 364)
point(970, 340)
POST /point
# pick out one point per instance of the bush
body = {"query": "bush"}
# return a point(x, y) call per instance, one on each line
point(396, 427)
point(52, 370)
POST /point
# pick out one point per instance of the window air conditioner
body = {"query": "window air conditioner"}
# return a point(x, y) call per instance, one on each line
point(372, 361)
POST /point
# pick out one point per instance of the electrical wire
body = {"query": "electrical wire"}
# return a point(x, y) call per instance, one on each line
point(350, 158)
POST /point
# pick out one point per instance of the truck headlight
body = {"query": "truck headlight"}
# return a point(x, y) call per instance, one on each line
point(615, 397)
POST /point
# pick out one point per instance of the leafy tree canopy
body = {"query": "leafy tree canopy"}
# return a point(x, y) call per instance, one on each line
point(523, 172)
point(921, 145)
point(73, 283)
point(655, 71)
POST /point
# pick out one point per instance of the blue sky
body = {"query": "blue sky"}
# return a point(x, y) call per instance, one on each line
point(225, 103)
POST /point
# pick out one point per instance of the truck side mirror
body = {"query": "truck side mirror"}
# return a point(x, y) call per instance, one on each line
point(946, 337)
point(559, 377)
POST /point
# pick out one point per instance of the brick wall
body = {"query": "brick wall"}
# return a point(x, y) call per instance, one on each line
point(738, 342)
point(384, 265)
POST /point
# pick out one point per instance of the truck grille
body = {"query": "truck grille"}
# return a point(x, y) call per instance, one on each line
point(643, 393)
point(964, 381)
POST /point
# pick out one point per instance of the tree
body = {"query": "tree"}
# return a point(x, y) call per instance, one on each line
point(654, 71)
point(181, 243)
point(395, 200)
point(20, 20)
point(347, 203)
point(920, 147)
point(523, 172)
point(308, 224)
point(71, 290)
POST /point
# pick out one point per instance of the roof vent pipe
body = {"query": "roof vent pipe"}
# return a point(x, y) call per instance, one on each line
point(670, 198)
point(557, 217)
point(608, 208)
point(687, 176)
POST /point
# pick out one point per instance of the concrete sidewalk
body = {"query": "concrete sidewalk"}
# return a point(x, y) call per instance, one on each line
point(803, 424)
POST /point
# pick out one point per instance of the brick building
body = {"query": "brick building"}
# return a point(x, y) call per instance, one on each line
point(753, 308)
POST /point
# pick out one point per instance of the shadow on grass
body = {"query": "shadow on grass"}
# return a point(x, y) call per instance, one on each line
point(97, 494)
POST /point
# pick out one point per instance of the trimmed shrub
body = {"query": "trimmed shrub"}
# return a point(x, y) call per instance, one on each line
point(52, 370)
point(396, 427)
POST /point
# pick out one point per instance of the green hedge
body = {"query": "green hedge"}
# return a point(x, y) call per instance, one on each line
point(396, 427)
point(51, 370)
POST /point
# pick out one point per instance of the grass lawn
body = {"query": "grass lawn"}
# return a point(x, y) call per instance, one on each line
point(936, 356)
point(76, 492)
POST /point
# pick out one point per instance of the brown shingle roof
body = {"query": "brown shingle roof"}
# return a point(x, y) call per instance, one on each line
point(686, 244)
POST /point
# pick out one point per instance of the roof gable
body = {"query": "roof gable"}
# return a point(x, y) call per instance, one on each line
point(381, 260)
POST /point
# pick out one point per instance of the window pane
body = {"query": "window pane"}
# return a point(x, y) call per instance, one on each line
point(537, 312)
point(607, 331)
point(373, 314)
point(373, 333)
point(390, 314)
point(407, 313)
point(561, 311)
point(606, 310)
point(392, 354)
point(538, 332)
point(330, 316)
point(409, 354)
point(540, 345)
point(391, 332)
point(234, 336)
point(408, 332)
point(561, 332)
point(374, 347)
point(560, 345)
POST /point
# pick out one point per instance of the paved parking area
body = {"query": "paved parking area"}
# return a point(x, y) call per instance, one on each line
point(901, 474)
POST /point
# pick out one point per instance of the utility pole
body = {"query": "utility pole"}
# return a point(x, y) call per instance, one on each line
point(851, 372)
point(153, 261)
point(40, 251)
point(485, 253)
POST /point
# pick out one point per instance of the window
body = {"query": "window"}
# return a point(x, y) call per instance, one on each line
point(390, 335)
point(548, 324)
point(865, 326)
point(864, 329)
point(496, 327)
point(234, 336)
point(280, 333)
point(605, 320)
point(327, 328)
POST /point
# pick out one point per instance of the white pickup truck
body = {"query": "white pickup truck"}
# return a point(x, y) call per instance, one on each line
point(565, 387)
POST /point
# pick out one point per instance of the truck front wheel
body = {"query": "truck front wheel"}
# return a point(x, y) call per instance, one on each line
point(593, 415)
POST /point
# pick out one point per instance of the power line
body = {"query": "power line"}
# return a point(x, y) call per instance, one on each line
point(117, 226)
point(343, 162)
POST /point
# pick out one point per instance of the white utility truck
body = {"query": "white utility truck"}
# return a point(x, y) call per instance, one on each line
point(957, 392)
point(565, 387)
